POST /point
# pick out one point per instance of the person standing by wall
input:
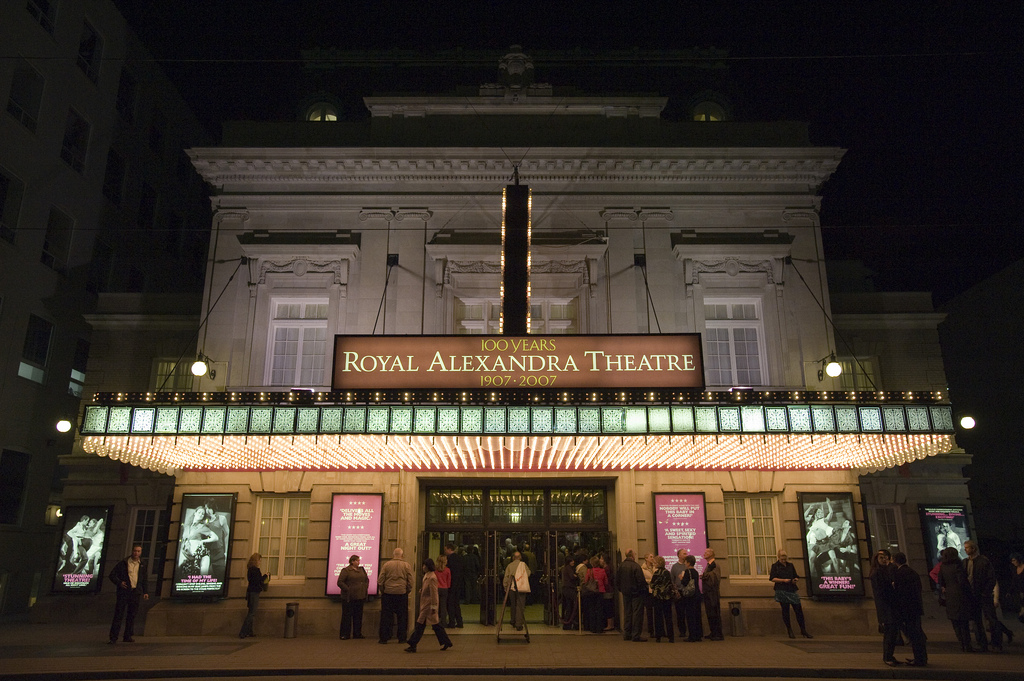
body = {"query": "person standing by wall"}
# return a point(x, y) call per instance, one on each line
point(252, 594)
point(456, 563)
point(711, 581)
point(633, 587)
point(129, 575)
point(885, 605)
point(394, 583)
point(907, 589)
point(689, 582)
point(783, 575)
point(677, 572)
point(663, 592)
point(354, 584)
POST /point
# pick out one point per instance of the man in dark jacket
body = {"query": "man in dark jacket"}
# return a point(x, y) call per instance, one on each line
point(455, 593)
point(909, 607)
point(711, 583)
point(982, 577)
point(129, 576)
point(633, 587)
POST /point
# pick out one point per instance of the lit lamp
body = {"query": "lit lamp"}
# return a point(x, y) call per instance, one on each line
point(63, 426)
point(967, 422)
point(830, 367)
point(201, 366)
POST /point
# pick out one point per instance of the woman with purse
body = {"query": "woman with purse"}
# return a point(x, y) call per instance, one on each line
point(691, 597)
point(257, 584)
point(591, 595)
point(783, 575)
point(663, 592)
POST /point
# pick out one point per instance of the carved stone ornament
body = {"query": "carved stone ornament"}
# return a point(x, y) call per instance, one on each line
point(733, 267)
point(378, 213)
point(413, 214)
point(631, 214)
point(469, 267)
point(303, 266)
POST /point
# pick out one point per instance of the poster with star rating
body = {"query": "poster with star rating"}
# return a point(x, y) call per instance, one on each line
point(355, 531)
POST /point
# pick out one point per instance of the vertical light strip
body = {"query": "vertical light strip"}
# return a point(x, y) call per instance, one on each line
point(529, 255)
point(501, 314)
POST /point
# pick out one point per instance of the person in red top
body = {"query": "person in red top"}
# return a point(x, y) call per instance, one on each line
point(444, 583)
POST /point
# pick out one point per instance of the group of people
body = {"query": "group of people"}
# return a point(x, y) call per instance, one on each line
point(899, 606)
point(395, 583)
point(968, 589)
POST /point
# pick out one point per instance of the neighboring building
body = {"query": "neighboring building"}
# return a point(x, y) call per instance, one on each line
point(96, 194)
point(391, 228)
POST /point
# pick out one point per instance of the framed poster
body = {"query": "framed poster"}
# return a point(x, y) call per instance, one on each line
point(355, 531)
point(680, 523)
point(943, 525)
point(204, 545)
point(81, 554)
point(833, 548)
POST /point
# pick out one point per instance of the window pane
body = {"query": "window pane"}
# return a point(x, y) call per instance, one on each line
point(57, 242)
point(26, 95)
point(76, 141)
point(11, 191)
point(37, 341)
point(89, 49)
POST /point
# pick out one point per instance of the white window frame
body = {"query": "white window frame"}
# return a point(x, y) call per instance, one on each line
point(731, 325)
point(752, 555)
point(486, 326)
point(156, 543)
point(853, 378)
point(302, 324)
point(875, 523)
point(543, 324)
point(275, 563)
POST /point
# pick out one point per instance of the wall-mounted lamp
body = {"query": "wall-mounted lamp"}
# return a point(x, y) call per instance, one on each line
point(829, 367)
point(201, 366)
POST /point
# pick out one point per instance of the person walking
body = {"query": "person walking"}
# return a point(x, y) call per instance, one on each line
point(394, 583)
point(711, 581)
point(456, 563)
point(677, 575)
point(881, 577)
point(783, 575)
point(354, 584)
point(129, 575)
point(517, 586)
point(252, 594)
point(663, 592)
point(956, 595)
point(428, 611)
point(909, 604)
point(633, 587)
point(982, 578)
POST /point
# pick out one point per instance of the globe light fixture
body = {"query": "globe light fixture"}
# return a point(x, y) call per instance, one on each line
point(201, 366)
point(967, 422)
point(833, 368)
point(63, 426)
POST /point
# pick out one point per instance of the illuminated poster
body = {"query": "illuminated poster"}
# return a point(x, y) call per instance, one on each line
point(204, 545)
point(355, 531)
point(943, 526)
point(833, 550)
point(681, 524)
point(81, 553)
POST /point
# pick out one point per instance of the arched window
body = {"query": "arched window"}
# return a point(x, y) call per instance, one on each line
point(708, 111)
point(322, 111)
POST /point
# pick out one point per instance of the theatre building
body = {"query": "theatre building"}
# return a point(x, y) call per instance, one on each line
point(532, 318)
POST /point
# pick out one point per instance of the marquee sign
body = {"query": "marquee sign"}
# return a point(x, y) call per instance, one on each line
point(475, 362)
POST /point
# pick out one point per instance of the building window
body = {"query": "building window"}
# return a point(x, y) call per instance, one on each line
point(750, 534)
point(57, 242)
point(859, 374)
point(734, 343)
point(166, 377)
point(26, 95)
point(148, 530)
point(11, 191)
point(554, 316)
point(43, 11)
point(127, 91)
point(455, 506)
point(90, 51)
point(113, 178)
point(298, 341)
point(76, 141)
point(284, 523)
point(13, 481)
point(886, 528)
point(146, 218)
point(322, 112)
point(578, 506)
point(708, 111)
point(477, 316)
point(37, 349)
point(514, 506)
point(78, 366)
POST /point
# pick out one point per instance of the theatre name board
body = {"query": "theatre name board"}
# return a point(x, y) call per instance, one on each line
point(475, 362)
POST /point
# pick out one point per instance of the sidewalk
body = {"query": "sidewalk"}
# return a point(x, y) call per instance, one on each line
point(34, 651)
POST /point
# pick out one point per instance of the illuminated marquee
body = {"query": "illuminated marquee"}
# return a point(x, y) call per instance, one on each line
point(474, 362)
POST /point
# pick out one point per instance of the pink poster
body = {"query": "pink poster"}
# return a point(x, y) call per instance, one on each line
point(355, 531)
point(681, 524)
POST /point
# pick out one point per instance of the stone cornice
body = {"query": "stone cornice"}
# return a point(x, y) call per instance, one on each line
point(808, 166)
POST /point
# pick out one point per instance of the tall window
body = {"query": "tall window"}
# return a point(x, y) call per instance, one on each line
point(76, 141)
point(36, 351)
point(477, 316)
point(11, 191)
point(148, 529)
point(57, 243)
point(13, 479)
point(298, 341)
point(750, 534)
point(44, 11)
point(90, 51)
point(859, 374)
point(734, 342)
point(165, 381)
point(78, 365)
point(886, 528)
point(284, 523)
point(554, 316)
point(26, 95)
point(127, 89)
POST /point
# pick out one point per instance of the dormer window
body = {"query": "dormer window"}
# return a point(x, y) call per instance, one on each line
point(708, 111)
point(322, 111)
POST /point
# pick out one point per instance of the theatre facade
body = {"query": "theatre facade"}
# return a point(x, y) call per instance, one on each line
point(653, 376)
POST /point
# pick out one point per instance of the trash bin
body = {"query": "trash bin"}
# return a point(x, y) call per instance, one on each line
point(735, 618)
point(291, 613)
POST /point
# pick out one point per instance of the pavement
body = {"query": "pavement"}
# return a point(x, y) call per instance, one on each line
point(44, 651)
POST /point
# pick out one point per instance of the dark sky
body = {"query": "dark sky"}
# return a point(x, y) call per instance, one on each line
point(925, 96)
